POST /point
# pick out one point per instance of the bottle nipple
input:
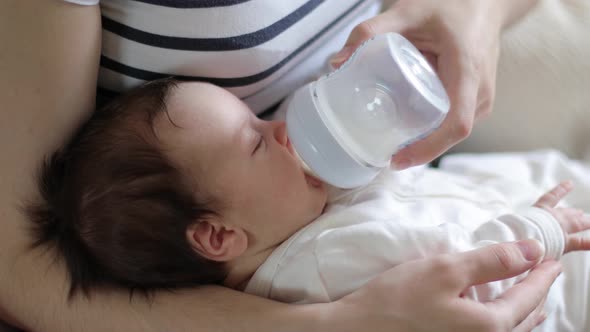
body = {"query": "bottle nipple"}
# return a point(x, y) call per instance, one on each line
point(304, 166)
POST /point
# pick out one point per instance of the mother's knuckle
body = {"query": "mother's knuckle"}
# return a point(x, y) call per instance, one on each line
point(485, 108)
point(505, 257)
point(446, 269)
point(487, 99)
point(443, 264)
point(471, 59)
point(365, 30)
point(463, 128)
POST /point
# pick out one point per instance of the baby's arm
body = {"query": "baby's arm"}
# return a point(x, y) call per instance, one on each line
point(555, 228)
point(348, 257)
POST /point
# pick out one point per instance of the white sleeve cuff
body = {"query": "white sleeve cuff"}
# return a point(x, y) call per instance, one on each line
point(553, 235)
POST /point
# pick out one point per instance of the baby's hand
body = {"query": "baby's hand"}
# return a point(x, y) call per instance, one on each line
point(571, 220)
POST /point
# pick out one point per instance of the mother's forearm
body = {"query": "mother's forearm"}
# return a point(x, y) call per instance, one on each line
point(49, 64)
point(191, 310)
point(215, 308)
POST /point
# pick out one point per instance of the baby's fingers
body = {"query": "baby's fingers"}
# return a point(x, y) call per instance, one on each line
point(574, 220)
point(576, 243)
point(551, 198)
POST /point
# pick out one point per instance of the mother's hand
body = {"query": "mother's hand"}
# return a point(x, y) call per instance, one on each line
point(460, 38)
point(424, 295)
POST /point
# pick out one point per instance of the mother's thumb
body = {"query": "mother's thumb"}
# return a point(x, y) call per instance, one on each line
point(500, 261)
point(385, 22)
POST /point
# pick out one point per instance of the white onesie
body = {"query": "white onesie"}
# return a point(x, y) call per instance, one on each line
point(416, 213)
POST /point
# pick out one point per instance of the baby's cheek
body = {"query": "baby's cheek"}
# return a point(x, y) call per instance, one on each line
point(289, 197)
point(290, 186)
point(289, 179)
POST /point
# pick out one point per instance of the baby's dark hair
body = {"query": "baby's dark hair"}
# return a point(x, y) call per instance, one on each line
point(115, 209)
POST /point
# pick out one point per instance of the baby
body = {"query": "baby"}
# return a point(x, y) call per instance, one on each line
point(172, 185)
point(179, 184)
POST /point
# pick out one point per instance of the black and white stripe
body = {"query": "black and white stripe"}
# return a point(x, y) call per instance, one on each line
point(243, 46)
point(193, 3)
point(230, 43)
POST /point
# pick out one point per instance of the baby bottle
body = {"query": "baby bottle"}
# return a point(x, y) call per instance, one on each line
point(346, 126)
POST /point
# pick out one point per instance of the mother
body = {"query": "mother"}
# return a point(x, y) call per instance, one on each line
point(49, 63)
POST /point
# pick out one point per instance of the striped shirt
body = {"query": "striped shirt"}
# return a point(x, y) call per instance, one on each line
point(260, 50)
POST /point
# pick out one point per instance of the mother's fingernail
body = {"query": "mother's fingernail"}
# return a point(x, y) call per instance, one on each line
point(339, 57)
point(531, 249)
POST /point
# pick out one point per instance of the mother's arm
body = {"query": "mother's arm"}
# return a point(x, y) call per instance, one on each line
point(49, 58)
point(48, 64)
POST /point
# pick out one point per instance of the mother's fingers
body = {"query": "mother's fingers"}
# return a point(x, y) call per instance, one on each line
point(534, 319)
point(495, 262)
point(388, 21)
point(461, 82)
point(519, 301)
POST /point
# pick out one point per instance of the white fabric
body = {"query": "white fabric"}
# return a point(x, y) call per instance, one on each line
point(84, 2)
point(422, 212)
point(568, 302)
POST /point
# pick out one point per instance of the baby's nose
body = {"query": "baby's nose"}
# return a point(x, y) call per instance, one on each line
point(280, 132)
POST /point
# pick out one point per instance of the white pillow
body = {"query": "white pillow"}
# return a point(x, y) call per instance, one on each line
point(543, 86)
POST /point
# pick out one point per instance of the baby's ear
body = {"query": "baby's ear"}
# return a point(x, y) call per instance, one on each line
point(215, 241)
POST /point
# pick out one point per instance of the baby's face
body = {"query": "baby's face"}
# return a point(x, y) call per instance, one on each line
point(246, 163)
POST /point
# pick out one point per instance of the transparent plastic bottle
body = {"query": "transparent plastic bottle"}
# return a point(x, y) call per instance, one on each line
point(346, 125)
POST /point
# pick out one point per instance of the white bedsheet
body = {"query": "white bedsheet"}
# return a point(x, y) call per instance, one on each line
point(568, 303)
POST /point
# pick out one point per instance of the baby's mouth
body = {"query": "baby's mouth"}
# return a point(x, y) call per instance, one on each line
point(291, 149)
point(312, 180)
point(307, 172)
